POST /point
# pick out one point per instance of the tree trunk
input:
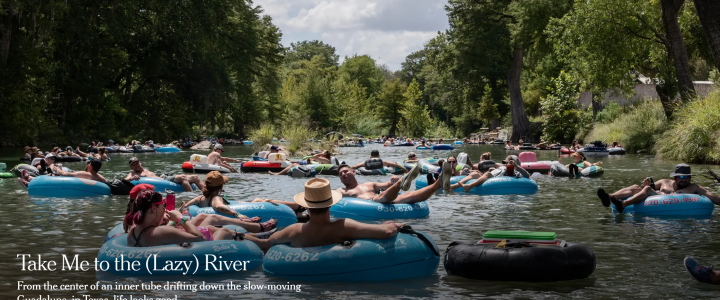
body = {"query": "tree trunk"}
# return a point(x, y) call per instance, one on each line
point(709, 13)
point(520, 122)
point(676, 44)
point(393, 128)
point(7, 35)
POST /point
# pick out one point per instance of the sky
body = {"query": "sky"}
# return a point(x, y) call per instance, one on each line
point(387, 30)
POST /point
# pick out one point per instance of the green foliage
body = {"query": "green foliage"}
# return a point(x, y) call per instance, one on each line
point(90, 70)
point(638, 129)
point(362, 68)
point(694, 136)
point(298, 137)
point(263, 135)
point(441, 131)
point(416, 118)
point(488, 110)
point(391, 103)
point(562, 116)
point(306, 50)
point(609, 113)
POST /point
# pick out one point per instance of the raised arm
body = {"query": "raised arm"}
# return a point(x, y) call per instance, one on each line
point(354, 230)
point(522, 171)
point(360, 165)
point(131, 176)
point(394, 165)
point(194, 201)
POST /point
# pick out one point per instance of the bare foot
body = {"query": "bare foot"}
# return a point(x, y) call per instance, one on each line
point(467, 188)
point(271, 173)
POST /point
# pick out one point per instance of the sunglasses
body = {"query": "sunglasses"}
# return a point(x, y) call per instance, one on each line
point(683, 177)
point(452, 162)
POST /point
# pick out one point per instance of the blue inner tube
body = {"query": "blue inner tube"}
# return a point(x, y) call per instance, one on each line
point(283, 213)
point(162, 184)
point(66, 187)
point(422, 148)
point(247, 142)
point(195, 254)
point(443, 147)
point(167, 149)
point(257, 158)
point(458, 143)
point(359, 209)
point(503, 185)
point(672, 205)
point(399, 257)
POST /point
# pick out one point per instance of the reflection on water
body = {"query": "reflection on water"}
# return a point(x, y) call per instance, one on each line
point(636, 256)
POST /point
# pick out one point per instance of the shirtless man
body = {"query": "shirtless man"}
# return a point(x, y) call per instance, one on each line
point(320, 230)
point(91, 171)
point(679, 185)
point(481, 177)
point(214, 158)
point(388, 192)
point(185, 180)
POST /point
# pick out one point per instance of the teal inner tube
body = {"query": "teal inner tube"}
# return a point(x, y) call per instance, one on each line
point(503, 185)
point(203, 257)
point(266, 210)
point(399, 257)
point(66, 187)
point(360, 209)
point(162, 184)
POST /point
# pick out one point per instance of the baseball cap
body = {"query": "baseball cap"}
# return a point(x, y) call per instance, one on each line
point(219, 146)
point(275, 147)
point(139, 188)
point(133, 160)
point(374, 153)
point(51, 156)
point(214, 179)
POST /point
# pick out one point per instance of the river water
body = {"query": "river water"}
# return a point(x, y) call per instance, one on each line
point(637, 257)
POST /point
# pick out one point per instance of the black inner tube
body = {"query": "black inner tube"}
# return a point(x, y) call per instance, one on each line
point(528, 264)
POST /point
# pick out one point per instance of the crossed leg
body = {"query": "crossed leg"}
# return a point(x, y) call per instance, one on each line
point(391, 194)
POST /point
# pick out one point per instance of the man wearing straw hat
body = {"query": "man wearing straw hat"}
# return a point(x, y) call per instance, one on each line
point(320, 230)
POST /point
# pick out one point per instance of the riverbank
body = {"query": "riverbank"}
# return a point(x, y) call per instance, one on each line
point(692, 135)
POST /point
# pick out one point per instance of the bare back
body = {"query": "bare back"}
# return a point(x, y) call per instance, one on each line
point(214, 158)
point(327, 233)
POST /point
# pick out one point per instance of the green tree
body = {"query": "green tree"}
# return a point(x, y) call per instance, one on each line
point(362, 68)
point(560, 110)
point(391, 102)
point(306, 50)
point(488, 110)
point(609, 43)
point(416, 120)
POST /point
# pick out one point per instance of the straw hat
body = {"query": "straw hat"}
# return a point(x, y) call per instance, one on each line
point(318, 194)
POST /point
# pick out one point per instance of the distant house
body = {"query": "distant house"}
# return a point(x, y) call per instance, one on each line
point(642, 91)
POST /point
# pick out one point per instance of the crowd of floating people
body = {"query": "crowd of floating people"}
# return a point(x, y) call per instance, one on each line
point(323, 216)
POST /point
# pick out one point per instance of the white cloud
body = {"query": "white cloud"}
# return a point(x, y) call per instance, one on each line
point(387, 30)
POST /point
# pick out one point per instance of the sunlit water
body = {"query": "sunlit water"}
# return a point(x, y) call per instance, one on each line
point(636, 256)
